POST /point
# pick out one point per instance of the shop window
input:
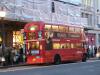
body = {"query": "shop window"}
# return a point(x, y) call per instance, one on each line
point(17, 38)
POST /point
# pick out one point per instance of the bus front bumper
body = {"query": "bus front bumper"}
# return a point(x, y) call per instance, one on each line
point(35, 60)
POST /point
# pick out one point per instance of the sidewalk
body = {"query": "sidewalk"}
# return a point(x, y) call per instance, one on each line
point(24, 64)
point(15, 65)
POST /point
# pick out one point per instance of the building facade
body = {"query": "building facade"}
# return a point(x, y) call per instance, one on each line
point(91, 10)
point(19, 12)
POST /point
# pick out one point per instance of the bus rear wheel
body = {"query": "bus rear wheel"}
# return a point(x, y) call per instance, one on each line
point(57, 60)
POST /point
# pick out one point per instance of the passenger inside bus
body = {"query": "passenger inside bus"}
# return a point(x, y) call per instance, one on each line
point(49, 44)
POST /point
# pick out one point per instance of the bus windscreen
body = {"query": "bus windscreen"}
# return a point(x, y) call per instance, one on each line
point(31, 35)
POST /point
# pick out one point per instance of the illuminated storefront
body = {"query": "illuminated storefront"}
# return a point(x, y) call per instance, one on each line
point(17, 39)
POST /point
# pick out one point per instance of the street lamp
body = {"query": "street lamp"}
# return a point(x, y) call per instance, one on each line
point(2, 15)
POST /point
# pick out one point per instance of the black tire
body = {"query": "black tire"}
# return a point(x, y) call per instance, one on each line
point(84, 58)
point(57, 60)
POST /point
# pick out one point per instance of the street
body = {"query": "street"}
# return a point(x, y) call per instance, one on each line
point(80, 68)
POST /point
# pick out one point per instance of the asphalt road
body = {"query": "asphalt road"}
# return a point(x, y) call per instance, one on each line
point(87, 68)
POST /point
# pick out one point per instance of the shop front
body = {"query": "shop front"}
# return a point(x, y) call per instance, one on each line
point(91, 39)
point(91, 44)
point(13, 35)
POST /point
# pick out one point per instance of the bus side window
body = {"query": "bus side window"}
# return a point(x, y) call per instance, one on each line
point(48, 38)
point(48, 44)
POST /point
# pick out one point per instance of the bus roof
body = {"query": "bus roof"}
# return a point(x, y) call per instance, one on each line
point(43, 23)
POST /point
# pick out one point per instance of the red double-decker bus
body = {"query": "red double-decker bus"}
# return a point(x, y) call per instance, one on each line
point(54, 43)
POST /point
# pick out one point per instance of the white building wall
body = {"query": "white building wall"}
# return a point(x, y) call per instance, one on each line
point(95, 5)
point(40, 10)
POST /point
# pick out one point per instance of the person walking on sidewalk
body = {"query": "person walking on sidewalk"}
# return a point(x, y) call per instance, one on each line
point(95, 51)
point(21, 55)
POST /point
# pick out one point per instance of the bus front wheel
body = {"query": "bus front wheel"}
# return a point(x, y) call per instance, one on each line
point(57, 60)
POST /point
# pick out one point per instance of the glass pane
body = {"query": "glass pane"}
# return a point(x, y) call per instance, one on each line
point(17, 38)
point(63, 46)
point(78, 45)
point(55, 28)
point(68, 45)
point(66, 29)
point(62, 29)
point(47, 27)
point(74, 35)
point(71, 29)
point(77, 30)
point(33, 45)
point(31, 35)
point(72, 45)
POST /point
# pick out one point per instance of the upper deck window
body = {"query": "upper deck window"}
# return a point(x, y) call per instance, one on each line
point(71, 29)
point(62, 28)
point(55, 28)
point(47, 27)
point(77, 30)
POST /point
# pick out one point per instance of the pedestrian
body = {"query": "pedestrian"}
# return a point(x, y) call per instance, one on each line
point(95, 51)
point(15, 55)
point(7, 55)
point(1, 50)
point(21, 55)
point(88, 52)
